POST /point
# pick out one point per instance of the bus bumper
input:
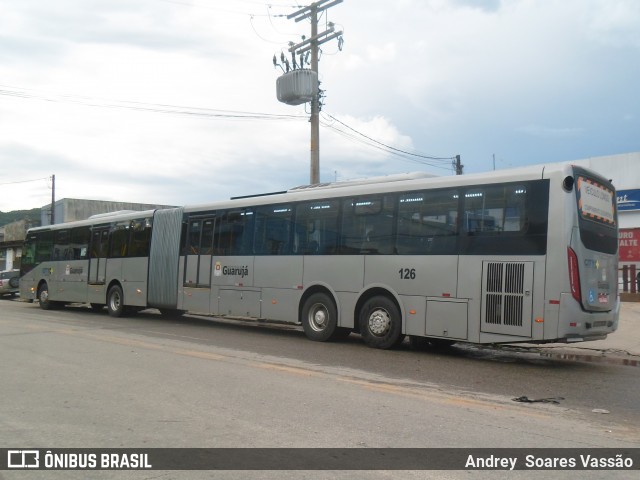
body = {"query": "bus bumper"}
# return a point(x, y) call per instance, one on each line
point(578, 325)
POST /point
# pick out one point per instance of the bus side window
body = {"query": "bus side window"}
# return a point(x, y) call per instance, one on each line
point(198, 236)
point(234, 233)
point(193, 237)
point(495, 209)
point(79, 243)
point(99, 242)
point(140, 240)
point(426, 222)
point(272, 228)
point(61, 245)
point(44, 246)
point(206, 241)
point(119, 236)
point(29, 254)
point(368, 225)
point(316, 228)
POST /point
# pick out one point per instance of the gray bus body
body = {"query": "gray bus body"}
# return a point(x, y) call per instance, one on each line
point(527, 255)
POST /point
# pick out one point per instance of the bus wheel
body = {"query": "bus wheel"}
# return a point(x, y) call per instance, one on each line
point(115, 301)
point(319, 317)
point(43, 297)
point(381, 323)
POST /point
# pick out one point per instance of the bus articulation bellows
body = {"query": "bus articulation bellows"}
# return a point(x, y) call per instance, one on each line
point(523, 255)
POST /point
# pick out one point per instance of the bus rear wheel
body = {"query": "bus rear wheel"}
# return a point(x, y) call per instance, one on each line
point(381, 323)
point(115, 301)
point(319, 318)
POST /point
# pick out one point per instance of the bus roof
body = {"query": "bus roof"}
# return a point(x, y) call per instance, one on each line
point(367, 186)
point(396, 183)
point(98, 219)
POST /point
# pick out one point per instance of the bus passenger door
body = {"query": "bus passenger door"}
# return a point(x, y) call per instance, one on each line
point(197, 265)
point(98, 256)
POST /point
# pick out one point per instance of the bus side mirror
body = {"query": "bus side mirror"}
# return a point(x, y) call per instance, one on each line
point(567, 183)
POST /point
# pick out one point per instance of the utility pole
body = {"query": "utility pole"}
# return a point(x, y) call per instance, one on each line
point(314, 168)
point(458, 166)
point(53, 199)
point(312, 45)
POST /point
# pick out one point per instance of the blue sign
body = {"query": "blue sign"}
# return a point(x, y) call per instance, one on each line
point(628, 200)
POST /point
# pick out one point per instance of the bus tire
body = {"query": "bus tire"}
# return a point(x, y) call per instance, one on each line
point(381, 323)
point(115, 301)
point(319, 317)
point(43, 297)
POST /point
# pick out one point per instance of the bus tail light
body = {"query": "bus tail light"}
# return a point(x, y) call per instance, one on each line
point(574, 275)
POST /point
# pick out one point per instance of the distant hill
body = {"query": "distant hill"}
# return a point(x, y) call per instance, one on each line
point(33, 215)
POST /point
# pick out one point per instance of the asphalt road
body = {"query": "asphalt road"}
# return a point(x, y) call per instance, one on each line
point(74, 378)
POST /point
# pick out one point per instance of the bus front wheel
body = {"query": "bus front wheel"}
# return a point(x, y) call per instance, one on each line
point(381, 323)
point(319, 318)
point(43, 297)
point(115, 301)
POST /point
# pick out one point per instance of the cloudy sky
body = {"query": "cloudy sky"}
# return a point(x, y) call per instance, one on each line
point(174, 101)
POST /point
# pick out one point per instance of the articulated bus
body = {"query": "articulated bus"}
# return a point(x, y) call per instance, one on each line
point(523, 255)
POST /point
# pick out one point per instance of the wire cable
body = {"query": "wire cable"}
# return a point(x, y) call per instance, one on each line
point(383, 149)
point(145, 107)
point(418, 157)
point(25, 181)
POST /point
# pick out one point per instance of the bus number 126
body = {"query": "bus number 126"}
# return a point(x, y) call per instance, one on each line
point(407, 273)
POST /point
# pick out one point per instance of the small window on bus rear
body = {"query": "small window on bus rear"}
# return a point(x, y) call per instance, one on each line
point(596, 202)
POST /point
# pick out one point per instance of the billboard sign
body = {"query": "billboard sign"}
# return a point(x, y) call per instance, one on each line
point(628, 200)
point(629, 242)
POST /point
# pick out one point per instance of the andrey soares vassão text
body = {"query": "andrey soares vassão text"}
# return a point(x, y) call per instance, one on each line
point(533, 462)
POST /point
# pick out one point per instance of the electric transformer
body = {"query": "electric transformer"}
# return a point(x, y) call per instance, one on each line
point(297, 87)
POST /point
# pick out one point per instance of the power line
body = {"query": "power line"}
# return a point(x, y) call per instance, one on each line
point(227, 10)
point(145, 107)
point(25, 181)
point(390, 149)
point(385, 150)
point(428, 157)
point(437, 162)
point(253, 27)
